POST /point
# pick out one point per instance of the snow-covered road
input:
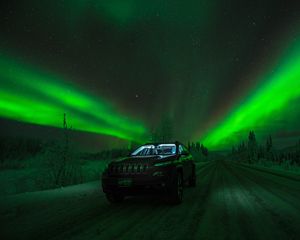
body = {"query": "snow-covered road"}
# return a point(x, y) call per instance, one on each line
point(230, 202)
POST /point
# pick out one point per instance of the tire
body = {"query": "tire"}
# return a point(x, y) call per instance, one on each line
point(114, 198)
point(192, 179)
point(176, 191)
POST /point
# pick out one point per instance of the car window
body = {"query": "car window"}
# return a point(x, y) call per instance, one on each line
point(161, 149)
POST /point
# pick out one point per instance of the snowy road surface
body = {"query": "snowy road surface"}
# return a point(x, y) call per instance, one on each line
point(229, 202)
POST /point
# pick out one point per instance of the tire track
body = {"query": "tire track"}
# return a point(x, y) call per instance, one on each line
point(282, 223)
point(200, 207)
point(164, 227)
point(274, 187)
point(292, 186)
point(225, 217)
point(239, 225)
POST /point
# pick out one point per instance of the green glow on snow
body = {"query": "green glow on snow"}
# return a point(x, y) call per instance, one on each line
point(278, 89)
point(31, 96)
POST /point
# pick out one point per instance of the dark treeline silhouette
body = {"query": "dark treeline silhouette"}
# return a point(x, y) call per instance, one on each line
point(197, 148)
point(14, 150)
point(55, 161)
point(252, 152)
point(106, 154)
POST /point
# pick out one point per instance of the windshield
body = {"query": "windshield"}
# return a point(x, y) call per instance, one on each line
point(161, 149)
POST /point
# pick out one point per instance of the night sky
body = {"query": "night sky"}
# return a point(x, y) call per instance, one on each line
point(217, 69)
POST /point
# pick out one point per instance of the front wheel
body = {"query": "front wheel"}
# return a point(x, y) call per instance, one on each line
point(114, 198)
point(176, 191)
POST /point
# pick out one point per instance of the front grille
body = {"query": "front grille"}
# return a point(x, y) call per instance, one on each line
point(128, 168)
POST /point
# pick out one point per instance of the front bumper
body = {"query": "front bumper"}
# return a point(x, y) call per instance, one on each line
point(135, 185)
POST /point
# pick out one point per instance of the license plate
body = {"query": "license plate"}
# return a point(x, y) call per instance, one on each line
point(125, 182)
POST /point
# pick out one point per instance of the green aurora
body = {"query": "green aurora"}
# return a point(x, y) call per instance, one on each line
point(276, 97)
point(30, 96)
point(118, 67)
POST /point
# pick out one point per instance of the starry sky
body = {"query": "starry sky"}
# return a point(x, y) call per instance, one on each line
point(217, 69)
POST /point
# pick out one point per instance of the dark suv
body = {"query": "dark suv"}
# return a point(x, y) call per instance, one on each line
point(153, 167)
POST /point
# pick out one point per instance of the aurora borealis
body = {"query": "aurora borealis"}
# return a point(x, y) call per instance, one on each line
point(278, 92)
point(41, 99)
point(117, 68)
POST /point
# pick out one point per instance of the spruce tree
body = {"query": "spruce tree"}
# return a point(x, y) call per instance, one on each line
point(252, 147)
point(198, 147)
point(269, 143)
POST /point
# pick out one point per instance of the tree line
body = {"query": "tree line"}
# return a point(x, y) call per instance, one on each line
point(252, 152)
point(197, 148)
